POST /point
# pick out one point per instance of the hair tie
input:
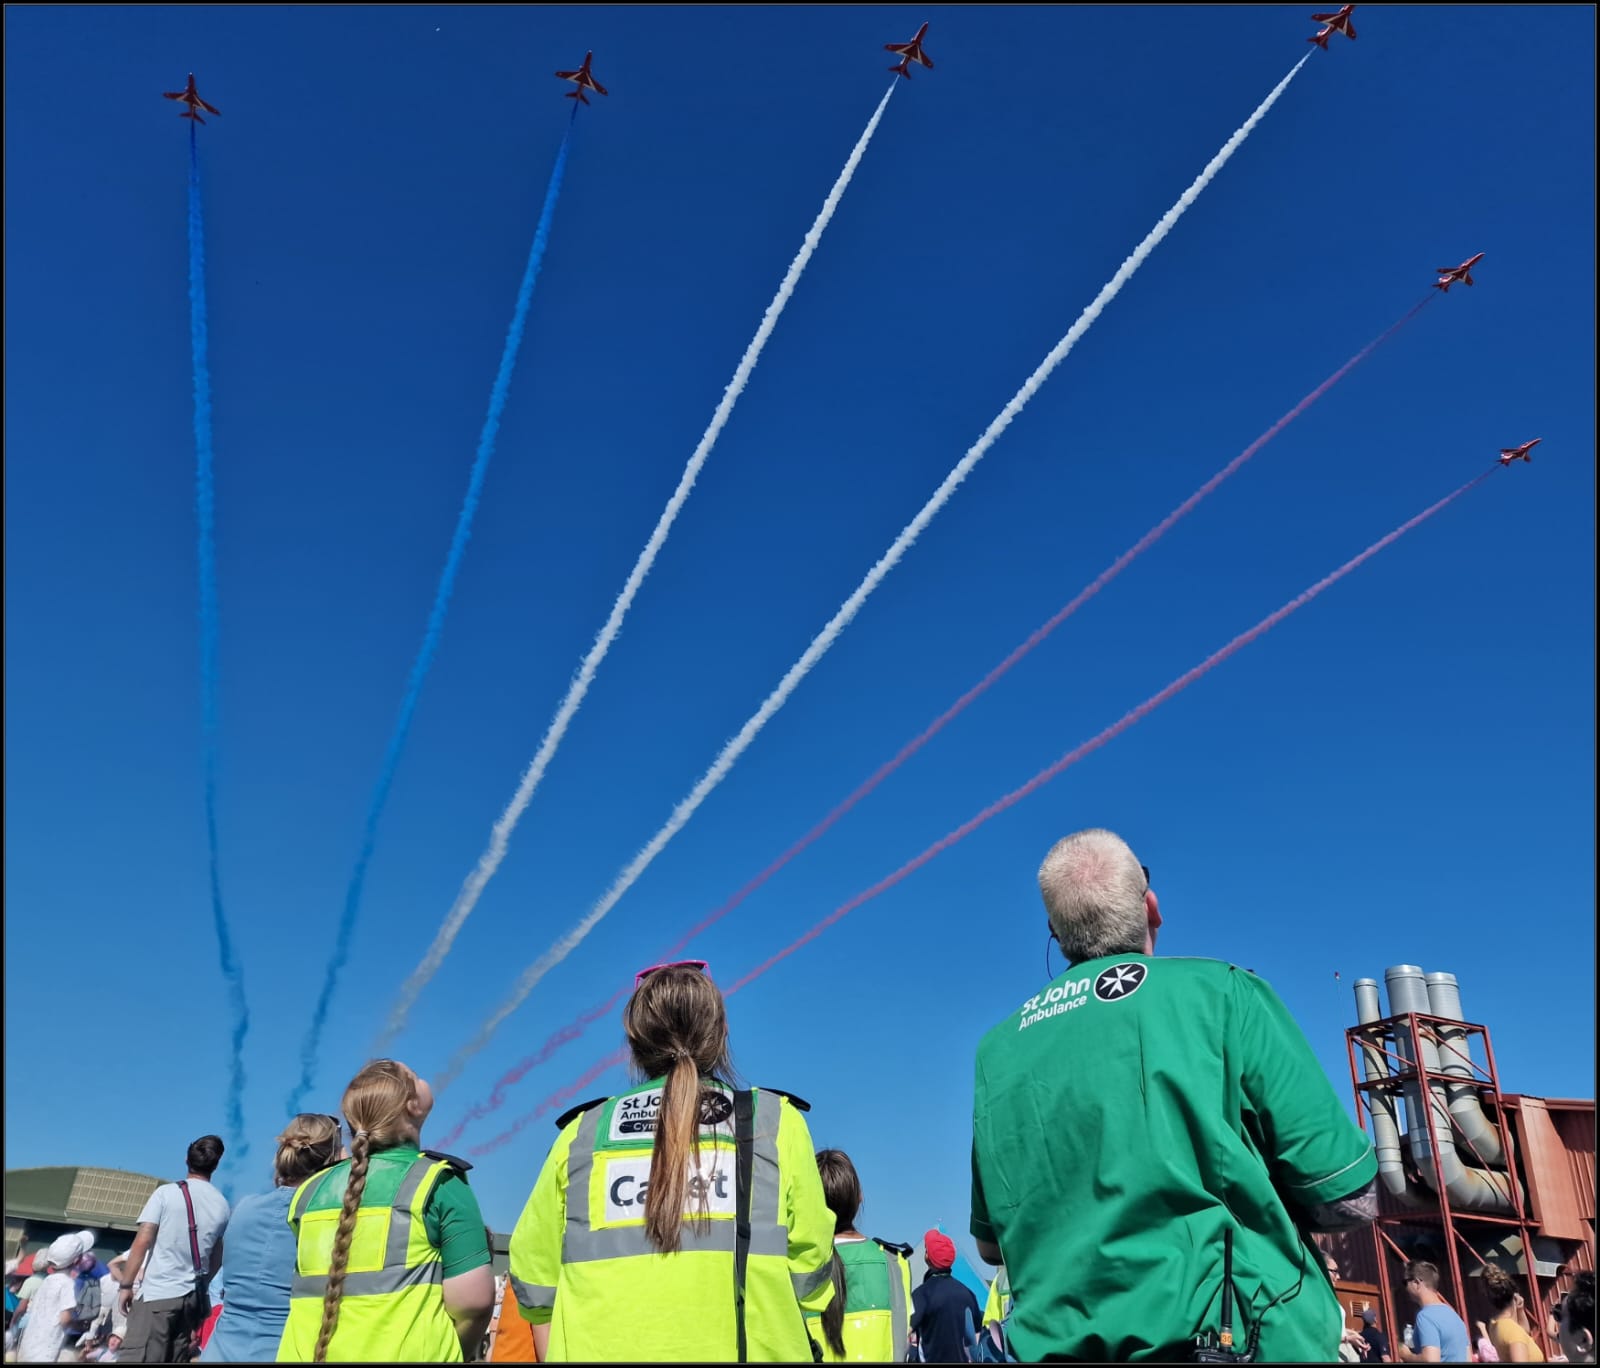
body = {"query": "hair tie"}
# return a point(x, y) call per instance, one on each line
point(682, 1054)
point(362, 1134)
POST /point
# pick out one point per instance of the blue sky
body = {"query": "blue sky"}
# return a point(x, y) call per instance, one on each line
point(1402, 772)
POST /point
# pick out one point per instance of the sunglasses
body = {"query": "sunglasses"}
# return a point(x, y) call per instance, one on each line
point(643, 974)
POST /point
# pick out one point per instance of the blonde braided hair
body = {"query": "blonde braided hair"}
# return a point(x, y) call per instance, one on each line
point(376, 1105)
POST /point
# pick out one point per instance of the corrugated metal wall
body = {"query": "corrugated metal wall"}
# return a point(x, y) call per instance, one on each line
point(1570, 1173)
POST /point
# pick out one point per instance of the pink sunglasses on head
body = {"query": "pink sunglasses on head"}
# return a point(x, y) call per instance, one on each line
point(643, 974)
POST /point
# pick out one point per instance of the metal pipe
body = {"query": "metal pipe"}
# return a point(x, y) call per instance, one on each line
point(1444, 993)
point(1471, 1189)
point(1381, 1105)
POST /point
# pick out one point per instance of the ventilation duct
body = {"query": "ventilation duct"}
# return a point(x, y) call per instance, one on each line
point(1381, 1105)
point(1470, 1189)
point(1466, 1108)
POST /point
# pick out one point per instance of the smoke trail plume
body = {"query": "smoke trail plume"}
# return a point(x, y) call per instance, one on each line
point(205, 511)
point(500, 836)
point(852, 605)
point(436, 616)
point(1011, 799)
point(574, 1029)
point(1110, 733)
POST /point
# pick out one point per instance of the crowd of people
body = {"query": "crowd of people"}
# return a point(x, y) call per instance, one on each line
point(1144, 1129)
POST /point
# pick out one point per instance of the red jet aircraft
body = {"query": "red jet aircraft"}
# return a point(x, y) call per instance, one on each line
point(1510, 454)
point(191, 97)
point(1450, 275)
point(584, 80)
point(1332, 24)
point(908, 53)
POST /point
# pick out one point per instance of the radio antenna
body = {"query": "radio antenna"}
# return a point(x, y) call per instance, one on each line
point(1226, 1337)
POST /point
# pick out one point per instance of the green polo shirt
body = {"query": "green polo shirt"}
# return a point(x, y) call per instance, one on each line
point(1123, 1118)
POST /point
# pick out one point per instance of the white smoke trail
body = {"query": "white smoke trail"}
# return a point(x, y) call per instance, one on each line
point(852, 605)
point(500, 836)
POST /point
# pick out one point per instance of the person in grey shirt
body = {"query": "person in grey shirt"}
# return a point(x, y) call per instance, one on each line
point(182, 1252)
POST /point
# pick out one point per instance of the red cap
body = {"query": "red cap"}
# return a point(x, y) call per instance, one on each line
point(939, 1249)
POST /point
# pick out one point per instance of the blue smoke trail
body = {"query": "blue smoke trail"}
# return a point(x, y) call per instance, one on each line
point(430, 639)
point(205, 508)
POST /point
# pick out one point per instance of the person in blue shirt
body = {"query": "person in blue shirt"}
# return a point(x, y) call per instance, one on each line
point(260, 1259)
point(1439, 1335)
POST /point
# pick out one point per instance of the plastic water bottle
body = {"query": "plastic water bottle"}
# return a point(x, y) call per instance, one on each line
point(1409, 1344)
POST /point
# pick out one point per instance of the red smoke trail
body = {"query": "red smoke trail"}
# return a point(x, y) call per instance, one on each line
point(1017, 795)
point(567, 1033)
point(575, 1028)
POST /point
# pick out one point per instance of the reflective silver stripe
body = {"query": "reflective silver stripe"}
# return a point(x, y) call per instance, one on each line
point(382, 1283)
point(897, 1306)
point(531, 1295)
point(394, 1254)
point(630, 1241)
point(580, 1164)
point(807, 1283)
point(307, 1191)
point(766, 1181)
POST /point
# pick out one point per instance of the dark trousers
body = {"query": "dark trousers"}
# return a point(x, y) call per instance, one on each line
point(162, 1331)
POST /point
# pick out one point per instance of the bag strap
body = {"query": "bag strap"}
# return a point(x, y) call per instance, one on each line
point(194, 1236)
point(744, 1138)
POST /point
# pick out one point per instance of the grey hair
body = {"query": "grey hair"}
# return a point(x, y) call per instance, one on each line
point(1093, 890)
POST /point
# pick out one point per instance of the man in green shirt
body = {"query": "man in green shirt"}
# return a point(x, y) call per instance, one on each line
point(1133, 1111)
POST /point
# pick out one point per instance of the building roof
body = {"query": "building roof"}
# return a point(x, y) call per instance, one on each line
point(95, 1197)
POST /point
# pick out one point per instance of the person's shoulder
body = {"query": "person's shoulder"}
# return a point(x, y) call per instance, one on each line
point(162, 1196)
point(1202, 966)
point(269, 1201)
point(454, 1166)
point(573, 1113)
point(793, 1099)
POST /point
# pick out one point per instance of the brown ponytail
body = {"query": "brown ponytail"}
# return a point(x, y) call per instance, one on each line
point(841, 1189)
point(677, 1137)
point(833, 1312)
point(377, 1106)
point(677, 1028)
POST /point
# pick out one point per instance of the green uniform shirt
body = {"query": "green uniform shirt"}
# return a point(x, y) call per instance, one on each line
point(453, 1219)
point(1122, 1119)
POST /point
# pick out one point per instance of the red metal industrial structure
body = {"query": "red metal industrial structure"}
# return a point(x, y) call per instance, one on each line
point(1404, 1043)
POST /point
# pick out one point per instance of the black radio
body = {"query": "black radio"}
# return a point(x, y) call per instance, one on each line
point(1217, 1346)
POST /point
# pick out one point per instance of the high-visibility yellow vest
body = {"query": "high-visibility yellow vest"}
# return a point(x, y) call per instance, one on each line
point(877, 1305)
point(999, 1304)
point(582, 1263)
point(392, 1307)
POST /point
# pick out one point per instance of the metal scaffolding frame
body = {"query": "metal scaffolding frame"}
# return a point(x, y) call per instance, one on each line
point(1385, 1039)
